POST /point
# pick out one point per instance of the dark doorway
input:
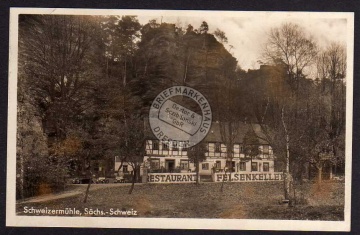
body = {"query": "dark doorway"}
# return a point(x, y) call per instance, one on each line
point(231, 166)
point(170, 165)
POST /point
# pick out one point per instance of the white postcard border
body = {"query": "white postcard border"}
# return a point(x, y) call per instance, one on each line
point(168, 223)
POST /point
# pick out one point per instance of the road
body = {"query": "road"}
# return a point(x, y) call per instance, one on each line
point(78, 190)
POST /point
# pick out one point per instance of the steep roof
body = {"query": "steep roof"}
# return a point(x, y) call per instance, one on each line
point(214, 134)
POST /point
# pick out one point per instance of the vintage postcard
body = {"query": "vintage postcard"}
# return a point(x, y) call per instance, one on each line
point(180, 119)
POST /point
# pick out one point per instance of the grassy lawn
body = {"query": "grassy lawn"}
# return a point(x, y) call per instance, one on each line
point(256, 200)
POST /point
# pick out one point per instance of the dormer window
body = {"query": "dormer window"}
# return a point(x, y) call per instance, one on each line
point(155, 145)
point(217, 147)
point(165, 146)
point(174, 146)
point(266, 149)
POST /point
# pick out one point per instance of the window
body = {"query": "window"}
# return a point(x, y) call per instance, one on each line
point(155, 145)
point(205, 166)
point(236, 148)
point(211, 147)
point(266, 149)
point(165, 146)
point(242, 166)
point(230, 165)
point(182, 144)
point(184, 164)
point(218, 165)
point(265, 166)
point(125, 169)
point(217, 147)
point(241, 149)
point(174, 145)
point(254, 166)
point(155, 164)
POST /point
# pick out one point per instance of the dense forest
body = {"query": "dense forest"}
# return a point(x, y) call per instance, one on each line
point(85, 85)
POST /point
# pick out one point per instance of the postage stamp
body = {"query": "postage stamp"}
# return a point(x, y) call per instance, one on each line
point(173, 122)
point(180, 119)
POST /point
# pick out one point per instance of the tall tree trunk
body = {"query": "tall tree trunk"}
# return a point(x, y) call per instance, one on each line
point(223, 181)
point(125, 71)
point(145, 68)
point(133, 180)
point(186, 69)
point(88, 188)
point(90, 181)
point(107, 68)
point(320, 167)
point(331, 171)
point(197, 172)
point(287, 166)
point(22, 176)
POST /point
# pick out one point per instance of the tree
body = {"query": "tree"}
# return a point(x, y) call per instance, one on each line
point(251, 144)
point(228, 116)
point(58, 56)
point(227, 101)
point(204, 28)
point(132, 145)
point(189, 29)
point(293, 48)
point(56, 61)
point(196, 154)
point(331, 86)
point(121, 35)
point(221, 36)
point(319, 146)
point(31, 144)
point(291, 45)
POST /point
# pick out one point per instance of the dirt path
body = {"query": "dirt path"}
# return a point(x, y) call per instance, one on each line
point(80, 189)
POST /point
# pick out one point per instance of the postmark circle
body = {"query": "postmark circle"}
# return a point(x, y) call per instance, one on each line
point(176, 124)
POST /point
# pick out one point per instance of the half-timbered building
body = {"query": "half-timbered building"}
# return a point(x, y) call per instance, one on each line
point(167, 157)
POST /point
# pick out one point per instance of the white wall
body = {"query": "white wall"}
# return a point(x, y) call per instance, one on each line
point(117, 164)
point(212, 162)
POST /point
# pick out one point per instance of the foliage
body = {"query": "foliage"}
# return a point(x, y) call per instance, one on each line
point(132, 144)
point(56, 51)
point(86, 84)
point(251, 144)
point(221, 36)
point(302, 112)
point(196, 154)
point(204, 28)
point(291, 45)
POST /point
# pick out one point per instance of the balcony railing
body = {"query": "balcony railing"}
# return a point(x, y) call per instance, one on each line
point(175, 170)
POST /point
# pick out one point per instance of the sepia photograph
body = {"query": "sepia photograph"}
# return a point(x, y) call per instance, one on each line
point(180, 119)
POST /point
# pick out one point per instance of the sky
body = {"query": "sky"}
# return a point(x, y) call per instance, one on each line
point(246, 31)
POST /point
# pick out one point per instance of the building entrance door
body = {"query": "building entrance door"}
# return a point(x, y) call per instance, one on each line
point(231, 166)
point(170, 165)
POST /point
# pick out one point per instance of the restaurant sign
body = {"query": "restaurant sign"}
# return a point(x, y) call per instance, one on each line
point(171, 178)
point(247, 177)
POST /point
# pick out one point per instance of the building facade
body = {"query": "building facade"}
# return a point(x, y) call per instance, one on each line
point(165, 157)
point(125, 169)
